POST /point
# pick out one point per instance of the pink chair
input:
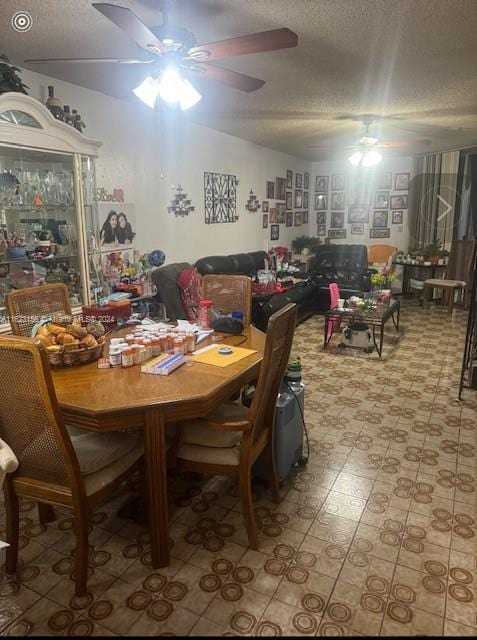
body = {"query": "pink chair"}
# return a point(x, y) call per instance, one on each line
point(334, 322)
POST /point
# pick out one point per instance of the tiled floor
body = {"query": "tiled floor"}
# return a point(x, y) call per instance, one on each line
point(375, 537)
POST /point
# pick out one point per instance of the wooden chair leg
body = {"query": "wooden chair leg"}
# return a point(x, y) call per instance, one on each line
point(13, 519)
point(46, 513)
point(451, 301)
point(245, 487)
point(81, 552)
point(272, 473)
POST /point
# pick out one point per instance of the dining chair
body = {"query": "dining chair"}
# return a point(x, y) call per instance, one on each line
point(58, 465)
point(380, 253)
point(334, 322)
point(26, 306)
point(229, 293)
point(230, 438)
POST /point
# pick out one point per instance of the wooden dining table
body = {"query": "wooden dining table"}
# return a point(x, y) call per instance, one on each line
point(115, 399)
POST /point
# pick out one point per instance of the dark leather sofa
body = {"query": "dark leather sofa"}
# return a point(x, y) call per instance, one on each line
point(303, 294)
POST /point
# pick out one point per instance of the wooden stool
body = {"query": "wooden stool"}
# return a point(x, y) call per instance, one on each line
point(449, 288)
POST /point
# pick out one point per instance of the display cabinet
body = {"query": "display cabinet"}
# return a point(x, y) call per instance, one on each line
point(47, 216)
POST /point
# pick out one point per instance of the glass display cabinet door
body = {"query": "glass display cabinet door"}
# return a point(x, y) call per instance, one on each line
point(39, 222)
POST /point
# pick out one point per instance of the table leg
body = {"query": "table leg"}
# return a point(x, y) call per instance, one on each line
point(325, 343)
point(155, 455)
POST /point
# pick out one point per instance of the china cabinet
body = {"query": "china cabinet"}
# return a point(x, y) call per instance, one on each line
point(47, 207)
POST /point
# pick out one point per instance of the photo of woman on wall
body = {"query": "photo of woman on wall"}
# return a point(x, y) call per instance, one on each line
point(117, 229)
point(124, 232)
point(107, 234)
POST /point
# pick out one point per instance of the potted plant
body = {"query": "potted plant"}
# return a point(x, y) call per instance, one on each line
point(300, 243)
point(443, 256)
point(9, 78)
point(431, 252)
point(381, 282)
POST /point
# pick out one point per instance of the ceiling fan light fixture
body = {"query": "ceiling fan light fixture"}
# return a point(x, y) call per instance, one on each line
point(368, 140)
point(174, 88)
point(189, 96)
point(148, 91)
point(365, 158)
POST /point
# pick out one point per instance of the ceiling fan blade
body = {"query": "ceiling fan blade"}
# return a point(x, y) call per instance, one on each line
point(397, 144)
point(232, 79)
point(89, 60)
point(251, 43)
point(128, 21)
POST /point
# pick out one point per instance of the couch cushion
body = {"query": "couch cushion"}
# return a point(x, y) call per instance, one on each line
point(243, 264)
point(215, 264)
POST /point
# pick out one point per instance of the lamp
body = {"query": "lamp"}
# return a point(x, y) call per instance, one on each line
point(171, 87)
point(368, 158)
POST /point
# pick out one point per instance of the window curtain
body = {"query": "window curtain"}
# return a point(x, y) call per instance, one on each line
point(435, 175)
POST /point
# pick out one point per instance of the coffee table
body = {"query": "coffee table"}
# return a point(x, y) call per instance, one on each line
point(376, 318)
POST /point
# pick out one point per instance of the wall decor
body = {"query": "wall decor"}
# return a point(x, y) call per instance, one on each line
point(298, 199)
point(116, 224)
point(379, 233)
point(337, 182)
point(321, 217)
point(338, 200)
point(401, 181)
point(273, 214)
point(306, 181)
point(397, 217)
point(281, 212)
point(298, 180)
point(399, 202)
point(380, 219)
point(305, 217)
point(180, 205)
point(321, 184)
point(357, 229)
point(103, 196)
point(280, 188)
point(289, 201)
point(381, 200)
point(359, 193)
point(321, 202)
point(264, 206)
point(337, 234)
point(289, 218)
point(274, 231)
point(265, 221)
point(358, 215)
point(270, 190)
point(305, 199)
point(220, 197)
point(337, 219)
point(289, 179)
point(252, 205)
point(321, 230)
point(384, 180)
point(298, 218)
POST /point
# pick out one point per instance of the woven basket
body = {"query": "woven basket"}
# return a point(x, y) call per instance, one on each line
point(75, 358)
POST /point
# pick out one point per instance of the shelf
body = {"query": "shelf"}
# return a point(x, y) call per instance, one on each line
point(32, 207)
point(21, 260)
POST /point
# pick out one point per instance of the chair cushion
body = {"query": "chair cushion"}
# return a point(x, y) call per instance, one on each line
point(197, 432)
point(210, 455)
point(96, 451)
point(93, 482)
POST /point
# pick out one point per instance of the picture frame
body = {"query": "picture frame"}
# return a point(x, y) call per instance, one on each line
point(384, 180)
point(397, 217)
point(305, 199)
point(270, 190)
point(338, 200)
point(337, 220)
point(321, 184)
point(399, 202)
point(380, 219)
point(265, 221)
point(264, 206)
point(298, 218)
point(357, 229)
point(381, 200)
point(337, 182)
point(298, 200)
point(321, 202)
point(273, 215)
point(298, 180)
point(379, 233)
point(119, 234)
point(358, 215)
point(321, 230)
point(281, 212)
point(321, 217)
point(305, 217)
point(289, 200)
point(337, 234)
point(306, 181)
point(280, 188)
point(401, 181)
point(289, 179)
point(289, 219)
point(274, 231)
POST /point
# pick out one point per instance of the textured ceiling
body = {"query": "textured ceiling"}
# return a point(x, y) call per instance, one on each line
point(415, 60)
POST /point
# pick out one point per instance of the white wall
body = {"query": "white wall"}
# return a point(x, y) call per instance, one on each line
point(399, 236)
point(146, 153)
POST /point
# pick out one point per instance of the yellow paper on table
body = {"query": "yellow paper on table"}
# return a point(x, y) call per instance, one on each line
point(212, 356)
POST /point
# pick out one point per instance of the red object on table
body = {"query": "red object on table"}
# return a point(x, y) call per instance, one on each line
point(107, 314)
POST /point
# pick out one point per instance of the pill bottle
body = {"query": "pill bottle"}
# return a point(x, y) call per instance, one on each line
point(115, 355)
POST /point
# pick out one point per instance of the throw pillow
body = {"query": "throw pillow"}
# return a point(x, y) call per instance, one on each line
point(188, 282)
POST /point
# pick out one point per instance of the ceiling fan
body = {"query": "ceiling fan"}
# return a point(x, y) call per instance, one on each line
point(366, 152)
point(174, 56)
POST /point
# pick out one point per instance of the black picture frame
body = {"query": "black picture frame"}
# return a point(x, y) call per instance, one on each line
point(338, 182)
point(321, 202)
point(321, 217)
point(298, 180)
point(305, 217)
point(321, 229)
point(298, 199)
point(265, 221)
point(322, 184)
point(274, 232)
point(280, 188)
point(380, 219)
point(264, 206)
point(306, 181)
point(338, 200)
point(357, 229)
point(401, 181)
point(337, 220)
point(270, 190)
point(385, 181)
point(399, 202)
point(298, 218)
point(358, 215)
point(305, 199)
point(397, 217)
point(380, 233)
point(289, 219)
point(289, 179)
point(337, 234)
point(281, 212)
point(381, 199)
point(289, 201)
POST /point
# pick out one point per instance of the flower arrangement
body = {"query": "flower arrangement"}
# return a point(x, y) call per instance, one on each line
point(12, 241)
point(382, 279)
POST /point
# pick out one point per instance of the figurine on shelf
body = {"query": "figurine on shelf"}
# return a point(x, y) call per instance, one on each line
point(37, 201)
point(54, 104)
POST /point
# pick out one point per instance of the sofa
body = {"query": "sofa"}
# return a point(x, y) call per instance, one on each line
point(304, 294)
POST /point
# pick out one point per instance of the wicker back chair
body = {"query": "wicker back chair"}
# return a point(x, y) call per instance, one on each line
point(229, 293)
point(380, 253)
point(26, 306)
point(52, 469)
point(229, 439)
